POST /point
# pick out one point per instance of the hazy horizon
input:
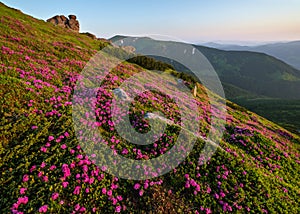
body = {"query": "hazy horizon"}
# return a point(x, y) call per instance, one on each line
point(231, 22)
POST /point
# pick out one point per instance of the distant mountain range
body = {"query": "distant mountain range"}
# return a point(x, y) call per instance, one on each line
point(257, 73)
point(252, 73)
point(257, 81)
point(288, 52)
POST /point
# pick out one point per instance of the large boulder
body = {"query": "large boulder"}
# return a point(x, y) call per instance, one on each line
point(73, 23)
point(58, 20)
point(62, 21)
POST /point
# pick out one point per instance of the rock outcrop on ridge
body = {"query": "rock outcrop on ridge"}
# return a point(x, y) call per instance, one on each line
point(70, 23)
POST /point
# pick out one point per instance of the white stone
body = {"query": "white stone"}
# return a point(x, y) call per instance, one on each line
point(155, 116)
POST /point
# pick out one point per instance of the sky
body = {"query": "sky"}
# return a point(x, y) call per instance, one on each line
point(197, 21)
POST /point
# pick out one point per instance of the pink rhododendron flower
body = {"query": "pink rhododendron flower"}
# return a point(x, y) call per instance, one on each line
point(137, 186)
point(23, 190)
point(109, 193)
point(65, 184)
point(208, 211)
point(25, 178)
point(52, 167)
point(77, 190)
point(82, 209)
point(76, 207)
point(40, 174)
point(50, 138)
point(23, 200)
point(114, 201)
point(66, 170)
point(146, 185)
point(32, 168)
point(55, 196)
point(79, 156)
point(208, 190)
point(118, 209)
point(114, 186)
point(43, 209)
point(44, 149)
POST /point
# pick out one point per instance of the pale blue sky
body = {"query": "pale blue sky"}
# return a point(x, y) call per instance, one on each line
point(190, 20)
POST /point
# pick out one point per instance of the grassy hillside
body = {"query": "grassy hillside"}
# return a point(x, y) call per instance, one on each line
point(44, 169)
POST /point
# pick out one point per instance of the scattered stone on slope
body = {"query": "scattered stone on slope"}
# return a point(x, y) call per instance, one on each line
point(155, 116)
point(121, 94)
point(180, 81)
point(170, 122)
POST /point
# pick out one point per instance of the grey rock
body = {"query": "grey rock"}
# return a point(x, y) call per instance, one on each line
point(155, 117)
point(121, 94)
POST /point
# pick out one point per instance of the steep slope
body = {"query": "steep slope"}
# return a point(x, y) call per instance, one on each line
point(44, 169)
